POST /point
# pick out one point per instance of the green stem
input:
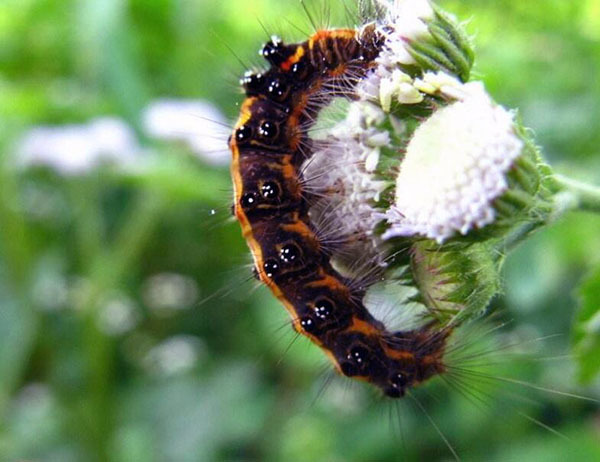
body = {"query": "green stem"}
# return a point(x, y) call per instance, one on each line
point(568, 195)
point(519, 235)
point(17, 315)
point(581, 196)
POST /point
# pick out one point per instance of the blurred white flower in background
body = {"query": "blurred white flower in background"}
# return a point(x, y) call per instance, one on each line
point(118, 316)
point(166, 293)
point(340, 399)
point(198, 124)
point(50, 291)
point(174, 355)
point(33, 412)
point(77, 149)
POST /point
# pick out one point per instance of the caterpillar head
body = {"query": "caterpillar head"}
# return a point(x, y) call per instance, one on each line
point(394, 362)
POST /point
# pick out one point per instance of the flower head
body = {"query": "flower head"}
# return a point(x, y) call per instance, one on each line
point(409, 22)
point(454, 168)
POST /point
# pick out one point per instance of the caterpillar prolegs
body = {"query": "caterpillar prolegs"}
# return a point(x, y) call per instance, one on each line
point(269, 145)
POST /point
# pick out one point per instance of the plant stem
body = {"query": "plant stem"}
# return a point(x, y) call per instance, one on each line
point(519, 235)
point(584, 197)
point(569, 195)
point(106, 266)
point(18, 317)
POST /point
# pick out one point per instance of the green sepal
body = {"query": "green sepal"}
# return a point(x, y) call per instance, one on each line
point(447, 48)
point(455, 282)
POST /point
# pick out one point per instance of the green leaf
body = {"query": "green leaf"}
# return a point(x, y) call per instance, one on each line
point(586, 339)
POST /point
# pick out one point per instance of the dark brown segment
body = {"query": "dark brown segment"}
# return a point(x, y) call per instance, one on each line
point(275, 192)
point(266, 129)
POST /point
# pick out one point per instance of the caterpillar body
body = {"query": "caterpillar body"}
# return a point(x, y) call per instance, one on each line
point(269, 145)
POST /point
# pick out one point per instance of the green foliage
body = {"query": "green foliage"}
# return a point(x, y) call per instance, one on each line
point(587, 328)
point(204, 380)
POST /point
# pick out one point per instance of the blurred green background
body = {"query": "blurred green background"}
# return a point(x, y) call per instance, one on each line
point(128, 328)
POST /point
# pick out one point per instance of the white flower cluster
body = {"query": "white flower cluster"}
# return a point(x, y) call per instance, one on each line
point(346, 162)
point(79, 148)
point(456, 161)
point(454, 168)
point(76, 149)
point(343, 167)
point(406, 21)
point(198, 124)
point(387, 83)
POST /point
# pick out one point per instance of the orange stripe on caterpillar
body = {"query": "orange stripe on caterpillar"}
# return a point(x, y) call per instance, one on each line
point(286, 65)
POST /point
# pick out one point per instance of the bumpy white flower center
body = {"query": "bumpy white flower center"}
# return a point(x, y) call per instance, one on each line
point(455, 167)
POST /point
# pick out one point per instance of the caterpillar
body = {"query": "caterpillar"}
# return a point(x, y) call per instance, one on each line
point(269, 145)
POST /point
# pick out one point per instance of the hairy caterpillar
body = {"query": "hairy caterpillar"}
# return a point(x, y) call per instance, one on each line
point(464, 369)
point(269, 144)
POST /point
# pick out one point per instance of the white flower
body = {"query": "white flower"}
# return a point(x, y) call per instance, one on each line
point(406, 22)
point(76, 149)
point(455, 167)
point(441, 83)
point(342, 165)
point(198, 124)
point(398, 87)
point(118, 316)
point(386, 84)
point(175, 355)
point(166, 293)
